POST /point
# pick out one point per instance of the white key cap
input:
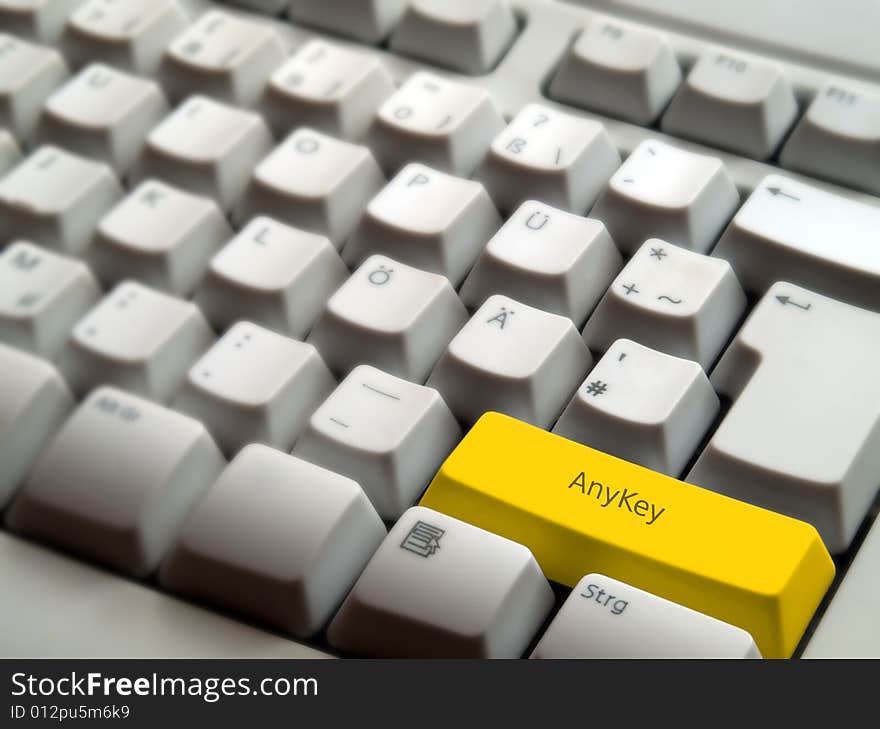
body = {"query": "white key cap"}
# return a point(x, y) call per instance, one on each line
point(387, 433)
point(803, 434)
point(546, 258)
point(56, 199)
point(315, 182)
point(10, 152)
point(131, 34)
point(790, 231)
point(735, 103)
point(428, 219)
point(208, 148)
point(439, 587)
point(367, 20)
point(560, 159)
point(442, 123)
point(848, 628)
point(33, 403)
point(665, 192)
point(465, 35)
point(255, 386)
point(606, 618)
point(328, 87)
point(620, 70)
point(392, 316)
point(273, 274)
point(136, 338)
point(512, 359)
point(42, 295)
point(671, 299)
point(103, 113)
point(224, 56)
point(160, 235)
point(38, 20)
point(307, 534)
point(28, 75)
point(117, 481)
point(643, 406)
point(839, 138)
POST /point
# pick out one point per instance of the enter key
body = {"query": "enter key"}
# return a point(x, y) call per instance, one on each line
point(580, 511)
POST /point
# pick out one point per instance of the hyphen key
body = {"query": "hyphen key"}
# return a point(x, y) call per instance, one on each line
point(580, 510)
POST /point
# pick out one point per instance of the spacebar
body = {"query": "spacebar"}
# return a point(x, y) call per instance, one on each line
point(52, 606)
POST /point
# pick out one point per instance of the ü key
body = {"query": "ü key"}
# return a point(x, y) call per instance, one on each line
point(581, 510)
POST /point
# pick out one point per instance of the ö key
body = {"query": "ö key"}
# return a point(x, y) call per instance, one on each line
point(580, 510)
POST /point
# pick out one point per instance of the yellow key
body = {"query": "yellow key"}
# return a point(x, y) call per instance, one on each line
point(580, 510)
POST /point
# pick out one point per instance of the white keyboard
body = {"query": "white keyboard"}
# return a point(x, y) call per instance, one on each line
point(266, 265)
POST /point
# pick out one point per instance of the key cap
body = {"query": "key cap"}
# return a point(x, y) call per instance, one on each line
point(33, 403)
point(618, 69)
point(442, 123)
point(103, 113)
point(75, 498)
point(273, 274)
point(606, 618)
point(733, 102)
point(671, 299)
point(643, 406)
point(558, 158)
point(206, 147)
point(223, 56)
point(42, 295)
point(389, 434)
point(28, 75)
point(328, 87)
point(546, 258)
point(514, 359)
point(428, 219)
point(440, 588)
point(38, 20)
point(761, 571)
point(369, 21)
point(790, 231)
point(138, 339)
point(307, 534)
point(665, 192)
point(838, 138)
point(802, 436)
point(847, 628)
point(465, 35)
point(161, 236)
point(10, 152)
point(255, 386)
point(56, 199)
point(131, 35)
point(392, 316)
point(315, 182)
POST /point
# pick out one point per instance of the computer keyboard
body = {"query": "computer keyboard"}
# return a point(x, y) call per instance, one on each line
point(438, 328)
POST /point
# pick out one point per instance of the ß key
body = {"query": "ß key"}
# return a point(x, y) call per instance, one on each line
point(42, 295)
point(307, 534)
point(272, 274)
point(392, 316)
point(672, 299)
point(255, 386)
point(606, 618)
point(75, 498)
point(34, 401)
point(643, 406)
point(389, 434)
point(576, 507)
point(512, 358)
point(438, 587)
point(138, 339)
point(665, 192)
point(369, 21)
point(803, 434)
